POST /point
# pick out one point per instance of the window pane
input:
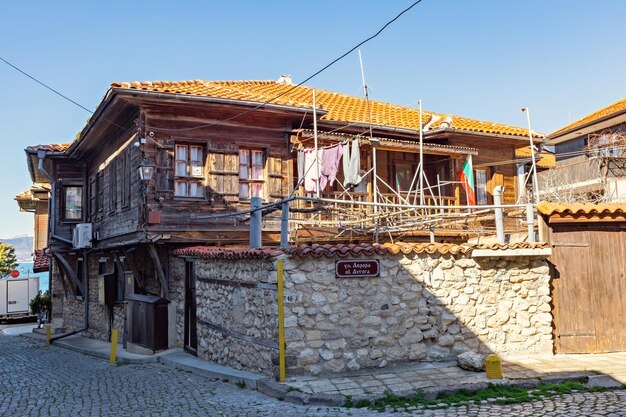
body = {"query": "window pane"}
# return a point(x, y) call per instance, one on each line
point(244, 191)
point(404, 176)
point(243, 172)
point(196, 154)
point(257, 173)
point(73, 203)
point(196, 169)
point(181, 152)
point(195, 189)
point(181, 169)
point(481, 186)
point(257, 190)
point(244, 155)
point(180, 188)
point(257, 158)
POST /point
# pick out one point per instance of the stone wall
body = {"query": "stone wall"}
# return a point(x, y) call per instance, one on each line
point(423, 307)
point(236, 311)
point(99, 315)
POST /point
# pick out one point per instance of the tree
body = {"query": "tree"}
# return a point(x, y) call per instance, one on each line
point(8, 260)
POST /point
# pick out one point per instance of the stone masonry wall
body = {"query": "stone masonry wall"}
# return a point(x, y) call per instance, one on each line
point(236, 311)
point(422, 308)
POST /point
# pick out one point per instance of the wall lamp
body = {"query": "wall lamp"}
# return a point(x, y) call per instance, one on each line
point(146, 169)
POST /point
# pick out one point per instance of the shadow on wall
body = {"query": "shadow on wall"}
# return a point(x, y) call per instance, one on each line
point(429, 303)
point(423, 307)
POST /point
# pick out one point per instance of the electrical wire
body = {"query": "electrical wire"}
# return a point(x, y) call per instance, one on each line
point(315, 74)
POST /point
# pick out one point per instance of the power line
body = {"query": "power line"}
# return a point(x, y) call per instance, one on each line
point(46, 86)
point(315, 74)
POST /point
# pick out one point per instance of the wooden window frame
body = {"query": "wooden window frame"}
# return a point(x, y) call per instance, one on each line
point(249, 167)
point(80, 209)
point(189, 178)
point(487, 172)
point(112, 188)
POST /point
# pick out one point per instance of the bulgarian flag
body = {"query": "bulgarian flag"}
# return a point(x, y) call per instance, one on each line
point(466, 175)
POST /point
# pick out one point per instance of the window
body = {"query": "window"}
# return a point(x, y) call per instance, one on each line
point(72, 202)
point(188, 171)
point(250, 173)
point(112, 188)
point(404, 176)
point(481, 186)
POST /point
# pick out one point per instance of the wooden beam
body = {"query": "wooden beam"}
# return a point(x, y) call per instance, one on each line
point(165, 291)
point(69, 271)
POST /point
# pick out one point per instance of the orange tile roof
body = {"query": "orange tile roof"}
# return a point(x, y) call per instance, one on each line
point(613, 109)
point(544, 159)
point(549, 209)
point(41, 262)
point(53, 147)
point(339, 107)
point(343, 250)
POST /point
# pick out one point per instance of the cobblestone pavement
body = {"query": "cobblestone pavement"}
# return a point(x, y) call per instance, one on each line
point(36, 380)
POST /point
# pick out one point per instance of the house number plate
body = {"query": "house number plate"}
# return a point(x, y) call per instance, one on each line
point(356, 269)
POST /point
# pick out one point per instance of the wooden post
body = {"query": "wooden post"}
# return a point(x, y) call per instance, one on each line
point(281, 322)
point(48, 334)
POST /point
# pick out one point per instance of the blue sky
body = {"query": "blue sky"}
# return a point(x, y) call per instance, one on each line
point(480, 59)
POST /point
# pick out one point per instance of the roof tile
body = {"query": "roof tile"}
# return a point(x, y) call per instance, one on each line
point(339, 107)
point(549, 209)
point(613, 109)
point(343, 250)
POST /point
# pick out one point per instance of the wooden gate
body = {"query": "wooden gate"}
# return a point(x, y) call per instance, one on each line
point(589, 288)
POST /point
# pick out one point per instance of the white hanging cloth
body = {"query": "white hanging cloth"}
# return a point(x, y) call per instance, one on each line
point(351, 164)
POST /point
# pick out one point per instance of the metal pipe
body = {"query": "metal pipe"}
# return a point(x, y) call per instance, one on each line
point(284, 225)
point(532, 154)
point(530, 219)
point(497, 200)
point(421, 158)
point(317, 155)
point(255, 223)
point(85, 302)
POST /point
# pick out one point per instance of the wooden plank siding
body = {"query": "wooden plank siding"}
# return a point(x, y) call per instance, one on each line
point(589, 287)
point(492, 151)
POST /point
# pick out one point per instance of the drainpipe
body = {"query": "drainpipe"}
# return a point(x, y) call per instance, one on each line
point(530, 219)
point(41, 154)
point(255, 223)
point(85, 301)
point(497, 201)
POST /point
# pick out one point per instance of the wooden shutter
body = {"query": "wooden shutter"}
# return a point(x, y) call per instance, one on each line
point(223, 176)
point(165, 172)
point(276, 170)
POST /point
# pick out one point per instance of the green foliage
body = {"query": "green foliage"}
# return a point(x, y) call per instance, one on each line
point(494, 393)
point(41, 303)
point(8, 260)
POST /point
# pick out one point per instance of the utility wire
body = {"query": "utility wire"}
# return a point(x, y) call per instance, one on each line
point(46, 86)
point(315, 74)
point(249, 110)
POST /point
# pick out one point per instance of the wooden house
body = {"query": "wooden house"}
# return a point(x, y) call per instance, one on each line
point(213, 145)
point(590, 159)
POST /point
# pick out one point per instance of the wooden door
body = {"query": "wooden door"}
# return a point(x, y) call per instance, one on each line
point(589, 290)
point(574, 313)
point(190, 332)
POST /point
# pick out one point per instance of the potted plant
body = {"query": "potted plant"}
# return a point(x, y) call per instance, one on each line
point(41, 305)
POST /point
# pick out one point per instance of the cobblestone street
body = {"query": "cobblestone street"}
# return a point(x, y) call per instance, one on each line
point(36, 380)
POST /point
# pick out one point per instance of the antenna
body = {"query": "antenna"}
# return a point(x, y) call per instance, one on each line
point(373, 143)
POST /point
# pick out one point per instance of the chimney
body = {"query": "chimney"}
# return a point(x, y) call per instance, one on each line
point(285, 79)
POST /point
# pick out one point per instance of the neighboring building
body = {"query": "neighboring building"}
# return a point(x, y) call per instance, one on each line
point(208, 147)
point(591, 159)
point(544, 159)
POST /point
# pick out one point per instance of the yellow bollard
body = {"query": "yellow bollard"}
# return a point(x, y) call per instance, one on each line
point(113, 353)
point(281, 322)
point(493, 366)
point(48, 334)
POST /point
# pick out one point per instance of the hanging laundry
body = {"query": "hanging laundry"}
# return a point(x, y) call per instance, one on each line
point(311, 171)
point(330, 165)
point(351, 164)
point(300, 162)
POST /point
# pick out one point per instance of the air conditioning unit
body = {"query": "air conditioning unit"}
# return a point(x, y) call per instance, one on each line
point(82, 236)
